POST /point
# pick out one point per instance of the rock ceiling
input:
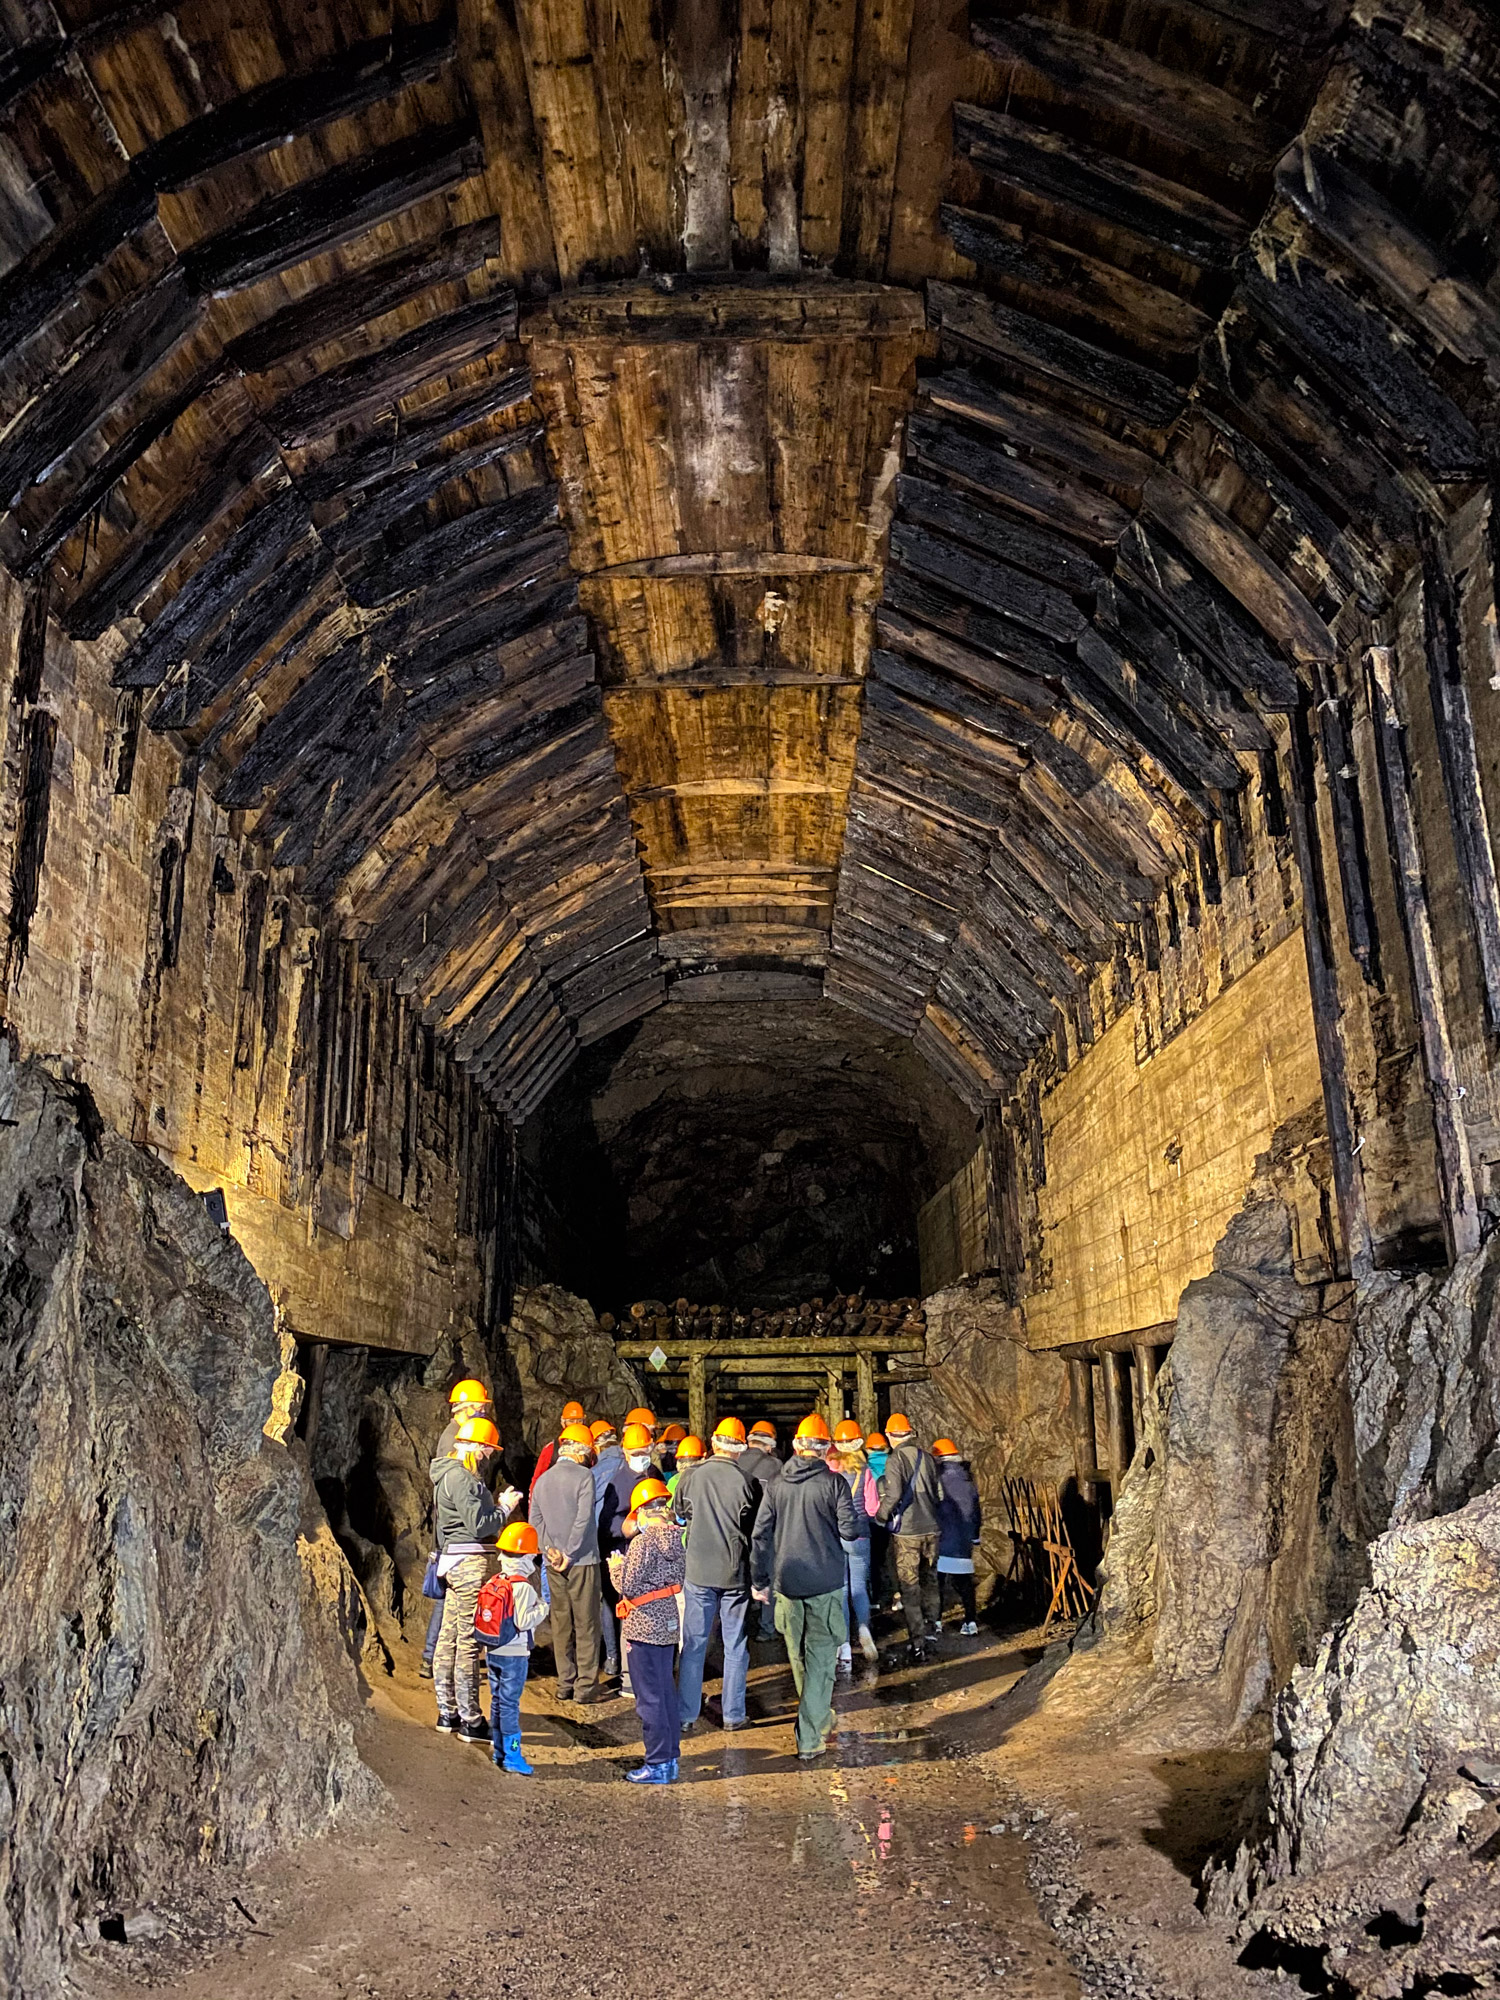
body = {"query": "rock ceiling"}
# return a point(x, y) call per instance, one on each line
point(844, 489)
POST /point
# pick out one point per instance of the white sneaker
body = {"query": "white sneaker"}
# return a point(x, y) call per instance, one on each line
point(969, 1630)
point(845, 1660)
point(867, 1643)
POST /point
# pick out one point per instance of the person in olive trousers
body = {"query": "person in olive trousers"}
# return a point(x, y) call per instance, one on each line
point(797, 1556)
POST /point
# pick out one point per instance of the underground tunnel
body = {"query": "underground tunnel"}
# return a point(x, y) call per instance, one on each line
point(763, 711)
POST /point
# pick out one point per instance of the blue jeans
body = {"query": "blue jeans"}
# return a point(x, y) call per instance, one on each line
point(508, 1673)
point(857, 1584)
point(434, 1626)
point(701, 1604)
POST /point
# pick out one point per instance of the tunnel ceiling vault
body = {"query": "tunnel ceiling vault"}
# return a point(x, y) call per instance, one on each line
point(813, 497)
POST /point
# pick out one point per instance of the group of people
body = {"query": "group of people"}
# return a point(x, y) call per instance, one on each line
point(639, 1543)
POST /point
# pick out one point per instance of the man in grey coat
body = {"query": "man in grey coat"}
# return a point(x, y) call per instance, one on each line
point(718, 1504)
point(565, 1513)
point(910, 1496)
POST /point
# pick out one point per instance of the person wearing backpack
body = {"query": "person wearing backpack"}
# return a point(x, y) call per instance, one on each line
point(910, 1496)
point(510, 1607)
point(467, 1521)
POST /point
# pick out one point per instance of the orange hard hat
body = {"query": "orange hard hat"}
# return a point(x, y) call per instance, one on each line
point(876, 1442)
point(814, 1427)
point(636, 1438)
point(467, 1391)
point(572, 1413)
point(601, 1430)
point(519, 1539)
point(763, 1430)
point(690, 1447)
point(730, 1429)
point(896, 1424)
point(641, 1417)
point(577, 1434)
point(945, 1448)
point(648, 1490)
point(674, 1434)
point(848, 1432)
point(478, 1430)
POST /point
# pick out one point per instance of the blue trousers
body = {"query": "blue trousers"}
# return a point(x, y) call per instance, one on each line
point(701, 1605)
point(434, 1626)
point(508, 1673)
point(857, 1584)
point(655, 1684)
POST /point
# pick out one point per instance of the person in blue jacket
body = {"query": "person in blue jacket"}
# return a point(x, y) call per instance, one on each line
point(958, 1530)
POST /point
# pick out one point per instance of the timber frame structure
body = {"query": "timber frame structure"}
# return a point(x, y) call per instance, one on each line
point(959, 517)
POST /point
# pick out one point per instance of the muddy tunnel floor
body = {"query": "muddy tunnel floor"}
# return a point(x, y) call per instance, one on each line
point(912, 1858)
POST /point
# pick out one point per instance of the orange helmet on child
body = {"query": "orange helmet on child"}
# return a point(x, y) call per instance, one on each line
point(518, 1539)
point(646, 1492)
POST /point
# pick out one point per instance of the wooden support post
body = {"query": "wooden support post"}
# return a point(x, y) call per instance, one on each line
point(1085, 1451)
point(835, 1397)
point(698, 1396)
point(1327, 1007)
point(1461, 1209)
point(312, 1402)
point(1146, 1368)
point(1116, 1416)
point(866, 1407)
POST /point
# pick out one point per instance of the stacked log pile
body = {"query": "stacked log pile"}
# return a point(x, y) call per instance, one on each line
point(838, 1318)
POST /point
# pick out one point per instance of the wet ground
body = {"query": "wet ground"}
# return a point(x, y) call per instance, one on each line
point(872, 1872)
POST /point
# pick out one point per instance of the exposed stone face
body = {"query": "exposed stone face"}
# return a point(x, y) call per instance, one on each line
point(176, 1679)
point(1234, 1542)
point(1384, 1851)
point(558, 1353)
point(1005, 1406)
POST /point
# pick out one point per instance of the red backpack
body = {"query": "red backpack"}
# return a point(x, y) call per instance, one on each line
point(494, 1614)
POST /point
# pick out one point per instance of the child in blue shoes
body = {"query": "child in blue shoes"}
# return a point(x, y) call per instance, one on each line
point(511, 1606)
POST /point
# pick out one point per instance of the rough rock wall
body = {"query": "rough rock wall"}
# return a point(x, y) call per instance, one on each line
point(1004, 1405)
point(382, 1415)
point(1234, 1542)
point(1379, 1869)
point(1381, 1872)
point(176, 1680)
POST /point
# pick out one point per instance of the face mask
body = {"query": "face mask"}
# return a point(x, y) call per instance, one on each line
point(638, 1461)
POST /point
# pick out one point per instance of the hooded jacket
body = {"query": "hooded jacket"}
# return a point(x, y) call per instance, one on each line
point(530, 1602)
point(718, 1504)
point(914, 1513)
point(958, 1509)
point(806, 1515)
point(563, 1511)
point(463, 1508)
point(759, 1467)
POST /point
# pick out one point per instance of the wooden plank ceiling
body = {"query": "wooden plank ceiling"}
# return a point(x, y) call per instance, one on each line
point(471, 432)
point(724, 456)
